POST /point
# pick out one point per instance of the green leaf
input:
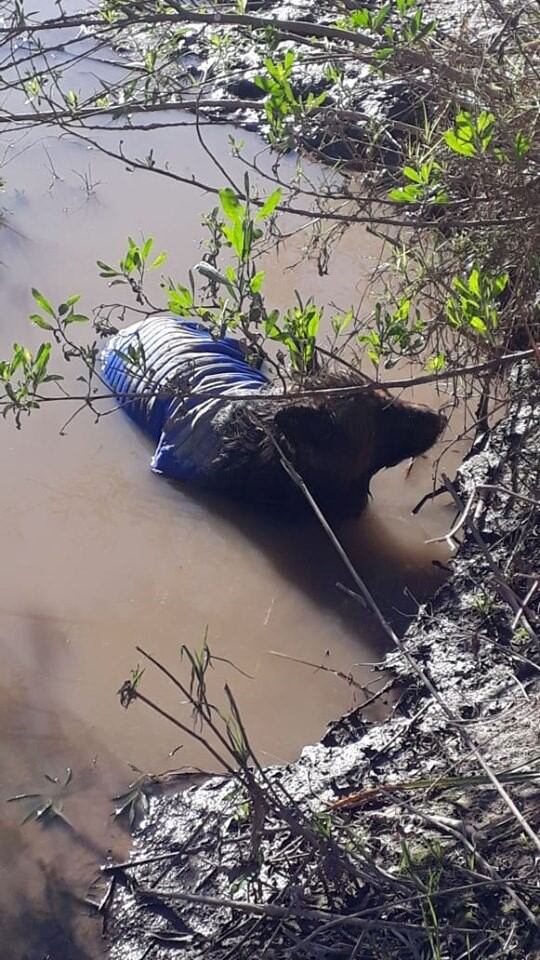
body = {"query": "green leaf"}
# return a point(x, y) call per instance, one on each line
point(236, 237)
point(384, 53)
point(256, 282)
point(161, 258)
point(403, 310)
point(313, 324)
point(230, 204)
point(359, 18)
point(459, 145)
point(485, 122)
point(460, 286)
point(75, 318)
point(500, 283)
point(146, 248)
point(436, 364)
point(42, 358)
point(43, 302)
point(410, 194)
point(179, 299)
point(465, 125)
point(522, 144)
point(41, 322)
point(269, 205)
point(289, 61)
point(341, 321)
point(474, 281)
point(427, 170)
point(479, 325)
point(21, 357)
point(106, 270)
point(412, 174)
point(381, 16)
point(271, 328)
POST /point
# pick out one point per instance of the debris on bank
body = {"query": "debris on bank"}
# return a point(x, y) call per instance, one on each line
point(386, 839)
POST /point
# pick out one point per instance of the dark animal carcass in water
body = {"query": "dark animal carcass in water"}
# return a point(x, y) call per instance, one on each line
point(196, 397)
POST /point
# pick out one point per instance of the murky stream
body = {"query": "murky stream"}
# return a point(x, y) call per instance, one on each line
point(101, 556)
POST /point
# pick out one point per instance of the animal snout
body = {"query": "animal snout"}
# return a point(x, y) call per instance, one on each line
point(427, 415)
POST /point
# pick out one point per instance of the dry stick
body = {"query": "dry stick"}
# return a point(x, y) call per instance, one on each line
point(350, 366)
point(445, 375)
point(401, 732)
point(331, 215)
point(428, 496)
point(523, 606)
point(320, 391)
point(135, 694)
point(375, 696)
point(495, 487)
point(369, 599)
point(498, 488)
point(300, 211)
point(336, 673)
point(272, 910)
point(440, 892)
point(357, 869)
point(504, 590)
point(124, 110)
point(365, 913)
point(351, 867)
point(297, 27)
point(129, 864)
point(462, 518)
point(183, 848)
point(460, 835)
point(204, 717)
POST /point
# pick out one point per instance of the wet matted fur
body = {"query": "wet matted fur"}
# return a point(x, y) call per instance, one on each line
point(336, 442)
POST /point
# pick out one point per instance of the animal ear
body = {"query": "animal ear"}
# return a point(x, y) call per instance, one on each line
point(301, 424)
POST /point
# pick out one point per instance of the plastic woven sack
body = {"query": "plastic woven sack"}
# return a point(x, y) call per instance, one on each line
point(172, 378)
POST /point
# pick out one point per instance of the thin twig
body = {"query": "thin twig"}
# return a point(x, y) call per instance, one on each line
point(503, 587)
point(321, 666)
point(272, 910)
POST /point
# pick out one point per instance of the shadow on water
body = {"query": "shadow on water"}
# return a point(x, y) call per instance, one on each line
point(399, 574)
point(46, 868)
point(47, 925)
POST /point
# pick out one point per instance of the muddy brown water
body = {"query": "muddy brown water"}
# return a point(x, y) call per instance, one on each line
point(99, 555)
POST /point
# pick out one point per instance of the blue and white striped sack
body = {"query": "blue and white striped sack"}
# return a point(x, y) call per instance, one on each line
point(161, 371)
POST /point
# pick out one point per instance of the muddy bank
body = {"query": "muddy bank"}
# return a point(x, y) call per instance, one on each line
point(337, 98)
point(435, 865)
